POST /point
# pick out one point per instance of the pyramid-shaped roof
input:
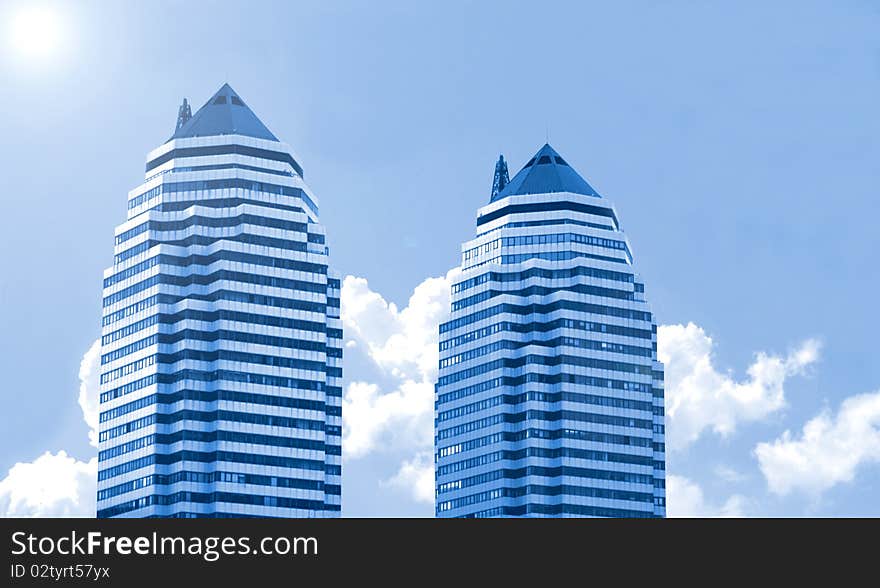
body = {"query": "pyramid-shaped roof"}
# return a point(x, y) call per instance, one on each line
point(224, 114)
point(546, 172)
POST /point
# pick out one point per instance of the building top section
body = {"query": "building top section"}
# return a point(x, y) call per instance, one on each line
point(224, 114)
point(546, 172)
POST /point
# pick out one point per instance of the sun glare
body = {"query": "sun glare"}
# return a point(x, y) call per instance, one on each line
point(36, 31)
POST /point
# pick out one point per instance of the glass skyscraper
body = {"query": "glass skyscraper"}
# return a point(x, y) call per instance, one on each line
point(221, 371)
point(549, 401)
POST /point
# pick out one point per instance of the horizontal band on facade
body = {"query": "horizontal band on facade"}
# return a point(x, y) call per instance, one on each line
point(203, 261)
point(220, 335)
point(207, 150)
point(529, 291)
point(219, 376)
point(545, 472)
point(543, 273)
point(559, 205)
point(222, 184)
point(218, 417)
point(212, 316)
point(546, 397)
point(558, 510)
point(206, 241)
point(218, 456)
point(280, 502)
point(218, 477)
point(632, 443)
point(539, 490)
point(216, 276)
point(224, 396)
point(549, 379)
point(201, 186)
point(543, 327)
point(157, 439)
point(547, 223)
point(544, 415)
point(523, 309)
point(211, 222)
point(444, 469)
point(545, 360)
point(554, 344)
point(168, 360)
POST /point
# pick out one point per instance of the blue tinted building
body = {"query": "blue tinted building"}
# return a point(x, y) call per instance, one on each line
point(221, 342)
point(549, 401)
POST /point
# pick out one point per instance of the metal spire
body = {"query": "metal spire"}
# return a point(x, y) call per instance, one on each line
point(501, 178)
point(183, 115)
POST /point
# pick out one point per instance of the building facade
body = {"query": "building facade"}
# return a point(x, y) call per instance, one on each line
point(549, 400)
point(221, 376)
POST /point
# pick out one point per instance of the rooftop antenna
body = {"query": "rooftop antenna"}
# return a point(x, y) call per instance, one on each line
point(183, 115)
point(501, 177)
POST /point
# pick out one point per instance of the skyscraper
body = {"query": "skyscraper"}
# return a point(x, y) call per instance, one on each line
point(549, 400)
point(221, 349)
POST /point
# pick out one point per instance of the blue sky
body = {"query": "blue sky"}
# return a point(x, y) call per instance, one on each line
point(738, 141)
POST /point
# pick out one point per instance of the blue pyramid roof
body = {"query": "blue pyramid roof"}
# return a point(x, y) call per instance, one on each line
point(224, 114)
point(546, 172)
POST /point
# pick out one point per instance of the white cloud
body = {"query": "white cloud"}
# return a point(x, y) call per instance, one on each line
point(401, 342)
point(58, 485)
point(397, 418)
point(684, 498)
point(53, 485)
point(89, 373)
point(401, 418)
point(829, 450)
point(699, 397)
point(417, 477)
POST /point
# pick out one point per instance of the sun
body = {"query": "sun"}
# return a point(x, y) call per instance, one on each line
point(36, 31)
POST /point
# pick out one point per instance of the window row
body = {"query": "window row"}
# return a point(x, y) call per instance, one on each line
point(206, 279)
point(211, 222)
point(218, 456)
point(444, 469)
point(189, 395)
point(544, 415)
point(508, 344)
point(552, 379)
point(205, 260)
point(223, 375)
point(215, 417)
point(548, 274)
point(548, 397)
point(545, 360)
point(219, 436)
point(580, 307)
point(214, 477)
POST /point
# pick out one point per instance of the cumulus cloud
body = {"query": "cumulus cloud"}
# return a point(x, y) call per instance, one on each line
point(829, 450)
point(684, 498)
point(397, 414)
point(699, 397)
point(416, 476)
point(89, 373)
point(401, 342)
point(53, 485)
point(400, 418)
point(56, 484)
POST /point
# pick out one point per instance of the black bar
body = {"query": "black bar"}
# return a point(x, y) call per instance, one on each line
point(421, 552)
